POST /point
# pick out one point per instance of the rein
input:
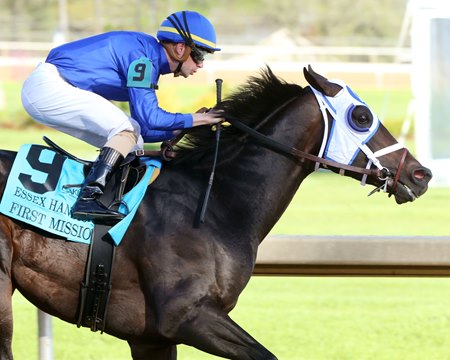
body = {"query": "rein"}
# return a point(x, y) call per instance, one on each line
point(382, 173)
point(299, 154)
point(167, 149)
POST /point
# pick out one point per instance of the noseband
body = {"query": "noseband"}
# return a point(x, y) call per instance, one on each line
point(388, 179)
point(399, 169)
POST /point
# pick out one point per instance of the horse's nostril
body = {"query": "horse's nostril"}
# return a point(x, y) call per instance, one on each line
point(421, 174)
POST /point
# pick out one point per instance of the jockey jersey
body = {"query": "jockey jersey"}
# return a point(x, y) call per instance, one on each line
point(122, 66)
point(74, 89)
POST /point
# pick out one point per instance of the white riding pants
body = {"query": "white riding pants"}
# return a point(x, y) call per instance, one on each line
point(50, 100)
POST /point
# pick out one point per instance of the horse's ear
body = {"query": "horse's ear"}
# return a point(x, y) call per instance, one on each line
point(320, 83)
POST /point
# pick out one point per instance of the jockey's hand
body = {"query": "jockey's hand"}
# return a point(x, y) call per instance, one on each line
point(209, 118)
point(203, 110)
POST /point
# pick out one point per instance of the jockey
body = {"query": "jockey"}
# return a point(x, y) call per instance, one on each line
point(71, 92)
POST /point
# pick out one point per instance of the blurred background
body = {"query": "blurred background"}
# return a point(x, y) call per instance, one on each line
point(394, 53)
point(369, 45)
point(347, 36)
point(250, 32)
point(325, 22)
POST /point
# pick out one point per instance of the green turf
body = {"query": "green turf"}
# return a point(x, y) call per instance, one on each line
point(298, 318)
point(389, 104)
point(328, 204)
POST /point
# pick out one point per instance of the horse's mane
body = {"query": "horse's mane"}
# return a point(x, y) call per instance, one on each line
point(250, 103)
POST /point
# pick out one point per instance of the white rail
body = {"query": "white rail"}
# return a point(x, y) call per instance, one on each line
point(269, 52)
point(354, 256)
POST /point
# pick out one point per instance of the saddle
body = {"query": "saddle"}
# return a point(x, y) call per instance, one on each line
point(96, 286)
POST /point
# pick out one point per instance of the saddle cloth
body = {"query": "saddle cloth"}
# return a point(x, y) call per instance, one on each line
point(35, 193)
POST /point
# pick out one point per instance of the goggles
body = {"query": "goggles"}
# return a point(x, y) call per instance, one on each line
point(198, 54)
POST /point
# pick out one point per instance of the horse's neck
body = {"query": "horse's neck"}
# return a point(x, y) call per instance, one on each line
point(264, 181)
point(264, 188)
point(252, 190)
point(260, 183)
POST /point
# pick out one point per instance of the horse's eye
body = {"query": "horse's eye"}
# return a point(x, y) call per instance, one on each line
point(359, 118)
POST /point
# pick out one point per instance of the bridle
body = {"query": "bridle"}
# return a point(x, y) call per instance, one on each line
point(382, 173)
point(389, 179)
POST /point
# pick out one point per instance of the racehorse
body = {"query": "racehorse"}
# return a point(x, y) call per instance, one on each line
point(174, 281)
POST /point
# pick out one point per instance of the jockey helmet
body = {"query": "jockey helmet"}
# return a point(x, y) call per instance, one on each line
point(188, 27)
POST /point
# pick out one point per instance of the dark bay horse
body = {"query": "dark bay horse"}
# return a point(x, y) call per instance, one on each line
point(174, 282)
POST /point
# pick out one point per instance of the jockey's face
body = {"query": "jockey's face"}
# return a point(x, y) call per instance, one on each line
point(190, 67)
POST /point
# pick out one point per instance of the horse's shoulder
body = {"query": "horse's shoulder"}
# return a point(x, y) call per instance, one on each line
point(6, 160)
point(7, 157)
point(7, 154)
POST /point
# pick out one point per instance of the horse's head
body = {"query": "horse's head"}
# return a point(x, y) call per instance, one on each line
point(355, 136)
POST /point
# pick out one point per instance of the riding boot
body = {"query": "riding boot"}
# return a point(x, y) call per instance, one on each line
point(88, 205)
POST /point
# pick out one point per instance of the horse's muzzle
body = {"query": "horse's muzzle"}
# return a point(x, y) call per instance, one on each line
point(415, 185)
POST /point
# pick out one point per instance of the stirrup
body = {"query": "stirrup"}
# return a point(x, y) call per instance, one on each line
point(99, 218)
point(94, 210)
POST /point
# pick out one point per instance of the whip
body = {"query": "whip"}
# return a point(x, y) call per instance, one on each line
point(216, 154)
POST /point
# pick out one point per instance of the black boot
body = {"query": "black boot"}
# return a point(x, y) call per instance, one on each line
point(88, 205)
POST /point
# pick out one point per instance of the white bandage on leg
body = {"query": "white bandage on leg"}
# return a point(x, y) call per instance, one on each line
point(123, 142)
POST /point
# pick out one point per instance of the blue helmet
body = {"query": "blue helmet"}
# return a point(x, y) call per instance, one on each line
point(188, 27)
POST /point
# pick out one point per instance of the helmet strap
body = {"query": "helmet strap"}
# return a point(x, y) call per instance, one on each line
point(177, 71)
point(170, 48)
point(186, 35)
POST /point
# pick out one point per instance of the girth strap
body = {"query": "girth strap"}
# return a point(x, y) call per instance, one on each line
point(96, 287)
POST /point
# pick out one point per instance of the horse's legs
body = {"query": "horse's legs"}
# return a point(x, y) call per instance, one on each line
point(210, 329)
point(6, 321)
point(144, 351)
